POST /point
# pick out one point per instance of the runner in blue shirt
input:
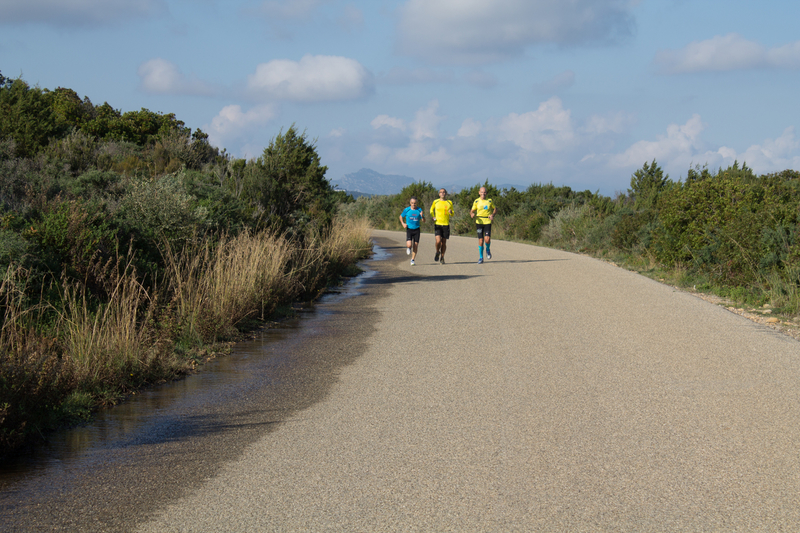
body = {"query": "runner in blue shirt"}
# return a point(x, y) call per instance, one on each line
point(410, 218)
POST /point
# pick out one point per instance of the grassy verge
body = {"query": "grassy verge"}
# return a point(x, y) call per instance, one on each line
point(58, 363)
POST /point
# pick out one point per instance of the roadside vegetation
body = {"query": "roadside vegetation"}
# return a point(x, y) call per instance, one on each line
point(130, 247)
point(728, 232)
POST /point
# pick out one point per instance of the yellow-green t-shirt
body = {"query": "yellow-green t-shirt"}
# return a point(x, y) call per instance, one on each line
point(483, 208)
point(440, 210)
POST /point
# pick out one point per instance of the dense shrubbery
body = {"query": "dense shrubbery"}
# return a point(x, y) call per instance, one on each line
point(731, 231)
point(127, 241)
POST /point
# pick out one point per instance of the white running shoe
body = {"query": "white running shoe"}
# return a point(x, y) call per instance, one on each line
point(412, 263)
point(408, 251)
point(488, 254)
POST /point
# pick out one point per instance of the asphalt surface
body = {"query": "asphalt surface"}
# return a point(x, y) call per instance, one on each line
point(540, 391)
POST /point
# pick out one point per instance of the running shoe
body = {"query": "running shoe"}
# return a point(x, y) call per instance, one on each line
point(408, 251)
point(441, 260)
point(412, 263)
point(488, 254)
point(480, 261)
point(436, 257)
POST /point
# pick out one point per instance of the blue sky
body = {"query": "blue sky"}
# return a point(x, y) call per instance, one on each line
point(573, 92)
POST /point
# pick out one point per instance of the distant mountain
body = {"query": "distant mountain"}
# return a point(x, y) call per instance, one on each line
point(370, 182)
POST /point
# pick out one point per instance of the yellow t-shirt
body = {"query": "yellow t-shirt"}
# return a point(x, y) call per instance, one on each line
point(440, 210)
point(483, 208)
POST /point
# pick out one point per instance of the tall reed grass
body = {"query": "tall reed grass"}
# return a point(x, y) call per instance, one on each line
point(214, 286)
point(108, 346)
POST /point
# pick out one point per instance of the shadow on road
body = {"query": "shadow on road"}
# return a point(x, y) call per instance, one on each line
point(176, 429)
point(384, 280)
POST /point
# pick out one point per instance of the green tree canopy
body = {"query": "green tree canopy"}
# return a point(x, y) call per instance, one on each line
point(647, 184)
point(26, 116)
point(291, 187)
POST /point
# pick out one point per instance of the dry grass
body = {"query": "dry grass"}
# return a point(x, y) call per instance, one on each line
point(215, 287)
point(116, 341)
point(328, 254)
point(349, 240)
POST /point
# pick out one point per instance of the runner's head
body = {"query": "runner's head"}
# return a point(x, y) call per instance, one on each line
point(442, 193)
point(413, 202)
point(482, 192)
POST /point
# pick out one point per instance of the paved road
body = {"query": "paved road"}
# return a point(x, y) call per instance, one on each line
point(541, 391)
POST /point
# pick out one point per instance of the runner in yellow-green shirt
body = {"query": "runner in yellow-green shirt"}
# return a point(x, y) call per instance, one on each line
point(441, 209)
point(483, 211)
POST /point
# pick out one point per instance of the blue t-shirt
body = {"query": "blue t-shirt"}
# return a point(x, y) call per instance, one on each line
point(412, 217)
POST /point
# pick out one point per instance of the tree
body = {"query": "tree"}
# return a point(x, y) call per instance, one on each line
point(26, 116)
point(697, 174)
point(292, 188)
point(70, 111)
point(647, 184)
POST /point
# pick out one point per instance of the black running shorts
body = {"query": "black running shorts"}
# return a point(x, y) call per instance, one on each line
point(484, 230)
point(442, 231)
point(412, 234)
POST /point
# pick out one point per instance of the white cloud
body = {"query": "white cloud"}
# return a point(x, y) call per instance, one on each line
point(617, 122)
point(417, 153)
point(160, 76)
point(312, 79)
point(377, 153)
point(386, 120)
point(469, 128)
point(420, 146)
point(682, 148)
point(78, 13)
point(679, 144)
point(233, 123)
point(547, 129)
point(426, 122)
point(772, 155)
point(479, 32)
point(726, 53)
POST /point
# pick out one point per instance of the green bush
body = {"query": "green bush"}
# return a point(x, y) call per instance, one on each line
point(75, 239)
point(714, 225)
point(158, 208)
point(78, 150)
point(13, 248)
point(525, 225)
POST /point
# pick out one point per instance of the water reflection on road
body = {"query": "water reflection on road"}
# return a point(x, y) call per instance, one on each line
point(145, 412)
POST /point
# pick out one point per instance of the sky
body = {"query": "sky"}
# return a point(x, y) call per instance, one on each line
point(571, 92)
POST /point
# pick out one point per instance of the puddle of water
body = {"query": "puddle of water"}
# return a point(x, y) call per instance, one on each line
point(144, 412)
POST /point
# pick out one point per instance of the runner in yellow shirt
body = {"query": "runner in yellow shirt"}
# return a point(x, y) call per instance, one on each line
point(483, 211)
point(441, 209)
